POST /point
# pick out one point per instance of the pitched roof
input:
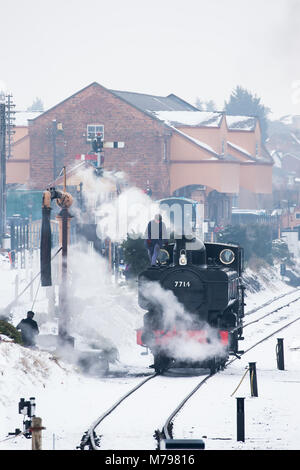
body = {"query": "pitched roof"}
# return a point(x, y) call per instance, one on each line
point(241, 123)
point(190, 118)
point(22, 117)
point(152, 103)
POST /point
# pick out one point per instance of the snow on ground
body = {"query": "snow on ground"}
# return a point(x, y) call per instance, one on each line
point(272, 418)
point(69, 401)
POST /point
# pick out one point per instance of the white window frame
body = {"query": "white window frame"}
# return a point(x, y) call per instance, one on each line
point(92, 130)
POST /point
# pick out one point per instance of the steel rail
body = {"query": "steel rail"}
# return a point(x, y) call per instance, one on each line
point(167, 428)
point(269, 302)
point(89, 436)
point(266, 338)
point(270, 313)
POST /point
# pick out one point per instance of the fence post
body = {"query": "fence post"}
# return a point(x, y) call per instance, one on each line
point(36, 431)
point(253, 379)
point(240, 419)
point(16, 286)
point(280, 354)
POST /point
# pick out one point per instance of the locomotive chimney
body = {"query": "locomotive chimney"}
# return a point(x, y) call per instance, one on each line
point(189, 251)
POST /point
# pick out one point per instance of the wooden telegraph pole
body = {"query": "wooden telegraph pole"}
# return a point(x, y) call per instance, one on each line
point(2, 167)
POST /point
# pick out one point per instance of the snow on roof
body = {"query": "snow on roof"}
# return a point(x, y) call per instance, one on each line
point(295, 138)
point(196, 141)
point(276, 157)
point(245, 123)
point(249, 211)
point(287, 119)
point(240, 149)
point(190, 118)
point(21, 117)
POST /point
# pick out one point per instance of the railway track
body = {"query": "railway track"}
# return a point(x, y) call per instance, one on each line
point(90, 439)
point(167, 430)
point(271, 301)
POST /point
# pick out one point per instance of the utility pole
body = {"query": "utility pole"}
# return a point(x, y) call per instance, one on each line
point(2, 167)
point(54, 131)
point(9, 125)
point(54, 135)
point(6, 132)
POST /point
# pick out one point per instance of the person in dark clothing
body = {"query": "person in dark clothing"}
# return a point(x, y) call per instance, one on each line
point(155, 235)
point(29, 329)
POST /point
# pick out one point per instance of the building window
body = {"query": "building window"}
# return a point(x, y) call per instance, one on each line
point(235, 201)
point(92, 130)
point(297, 216)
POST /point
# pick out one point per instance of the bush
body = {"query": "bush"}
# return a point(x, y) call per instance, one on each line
point(135, 255)
point(280, 251)
point(9, 330)
point(256, 239)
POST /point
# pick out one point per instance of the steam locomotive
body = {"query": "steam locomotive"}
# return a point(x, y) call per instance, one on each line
point(195, 305)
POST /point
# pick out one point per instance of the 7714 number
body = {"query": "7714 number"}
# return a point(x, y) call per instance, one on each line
point(182, 283)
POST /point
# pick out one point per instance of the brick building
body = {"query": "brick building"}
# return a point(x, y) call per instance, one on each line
point(169, 145)
point(65, 130)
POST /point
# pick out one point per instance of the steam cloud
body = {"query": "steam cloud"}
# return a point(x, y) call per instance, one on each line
point(174, 314)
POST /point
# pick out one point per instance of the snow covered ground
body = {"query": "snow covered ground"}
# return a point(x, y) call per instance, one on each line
point(69, 401)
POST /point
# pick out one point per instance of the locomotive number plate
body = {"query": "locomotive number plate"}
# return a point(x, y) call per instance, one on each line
point(182, 283)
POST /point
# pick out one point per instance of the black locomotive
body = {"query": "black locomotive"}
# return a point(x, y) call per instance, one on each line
point(205, 279)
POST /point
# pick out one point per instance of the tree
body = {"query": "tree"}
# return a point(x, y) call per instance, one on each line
point(243, 103)
point(205, 105)
point(256, 239)
point(37, 105)
point(199, 104)
point(135, 255)
point(210, 105)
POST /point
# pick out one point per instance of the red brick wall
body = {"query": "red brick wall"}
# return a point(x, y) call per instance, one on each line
point(141, 159)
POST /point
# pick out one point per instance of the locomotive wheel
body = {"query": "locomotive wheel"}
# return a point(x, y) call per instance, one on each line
point(213, 366)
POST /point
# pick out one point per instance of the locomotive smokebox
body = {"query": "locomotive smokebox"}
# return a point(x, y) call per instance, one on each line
point(186, 282)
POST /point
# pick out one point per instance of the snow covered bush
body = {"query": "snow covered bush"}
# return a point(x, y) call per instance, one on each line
point(9, 330)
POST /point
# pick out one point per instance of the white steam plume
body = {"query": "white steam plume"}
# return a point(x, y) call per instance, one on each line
point(175, 316)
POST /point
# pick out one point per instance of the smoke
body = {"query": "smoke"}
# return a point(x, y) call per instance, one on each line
point(176, 317)
point(119, 210)
point(96, 191)
point(128, 214)
point(103, 315)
